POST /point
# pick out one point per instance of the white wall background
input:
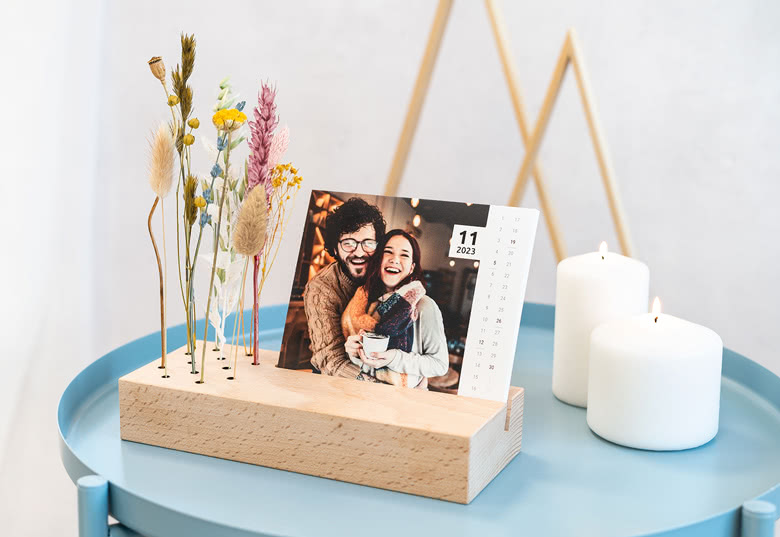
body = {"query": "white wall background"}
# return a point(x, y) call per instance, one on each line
point(688, 95)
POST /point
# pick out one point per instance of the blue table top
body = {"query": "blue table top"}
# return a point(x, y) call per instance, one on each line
point(566, 481)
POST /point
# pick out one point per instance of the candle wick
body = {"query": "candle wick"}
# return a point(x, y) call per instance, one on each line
point(602, 257)
point(656, 319)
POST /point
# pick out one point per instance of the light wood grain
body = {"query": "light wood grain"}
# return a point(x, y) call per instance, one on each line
point(406, 440)
point(518, 105)
point(570, 53)
point(496, 444)
point(533, 145)
point(418, 96)
point(600, 145)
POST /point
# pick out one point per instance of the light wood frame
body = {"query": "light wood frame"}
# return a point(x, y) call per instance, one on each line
point(570, 54)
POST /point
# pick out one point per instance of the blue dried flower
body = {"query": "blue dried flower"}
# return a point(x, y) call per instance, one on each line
point(240, 106)
point(221, 143)
point(204, 219)
point(216, 170)
point(208, 195)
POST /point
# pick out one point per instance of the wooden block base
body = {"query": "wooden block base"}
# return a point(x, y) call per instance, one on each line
point(420, 442)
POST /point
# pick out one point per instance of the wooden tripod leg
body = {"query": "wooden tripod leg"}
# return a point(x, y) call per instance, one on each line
point(418, 96)
point(532, 147)
point(508, 65)
point(600, 146)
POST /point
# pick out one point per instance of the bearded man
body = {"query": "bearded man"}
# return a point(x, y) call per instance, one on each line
point(352, 233)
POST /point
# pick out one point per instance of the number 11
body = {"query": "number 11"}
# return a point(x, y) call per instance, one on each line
point(473, 237)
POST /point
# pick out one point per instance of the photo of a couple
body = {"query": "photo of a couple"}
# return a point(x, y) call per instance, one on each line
point(375, 297)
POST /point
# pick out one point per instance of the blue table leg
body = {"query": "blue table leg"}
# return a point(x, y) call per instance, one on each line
point(118, 530)
point(93, 506)
point(758, 519)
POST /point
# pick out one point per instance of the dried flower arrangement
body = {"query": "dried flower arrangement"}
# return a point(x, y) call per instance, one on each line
point(246, 222)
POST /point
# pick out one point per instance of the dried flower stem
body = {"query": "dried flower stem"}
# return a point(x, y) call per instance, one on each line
point(216, 250)
point(165, 289)
point(239, 315)
point(255, 311)
point(174, 132)
point(191, 272)
point(247, 352)
point(164, 363)
point(280, 219)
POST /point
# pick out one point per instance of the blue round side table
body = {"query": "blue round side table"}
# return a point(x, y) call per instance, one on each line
point(566, 481)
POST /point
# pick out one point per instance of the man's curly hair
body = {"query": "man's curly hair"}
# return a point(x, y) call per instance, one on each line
point(348, 218)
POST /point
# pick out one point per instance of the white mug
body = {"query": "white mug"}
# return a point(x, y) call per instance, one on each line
point(374, 343)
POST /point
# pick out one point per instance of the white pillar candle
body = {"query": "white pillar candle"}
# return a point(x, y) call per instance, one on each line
point(654, 382)
point(591, 289)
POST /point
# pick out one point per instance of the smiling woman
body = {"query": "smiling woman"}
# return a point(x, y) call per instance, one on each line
point(393, 304)
point(399, 264)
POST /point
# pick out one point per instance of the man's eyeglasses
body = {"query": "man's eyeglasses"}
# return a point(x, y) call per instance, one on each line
point(350, 245)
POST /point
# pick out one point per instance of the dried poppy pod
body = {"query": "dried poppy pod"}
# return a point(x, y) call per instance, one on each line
point(157, 67)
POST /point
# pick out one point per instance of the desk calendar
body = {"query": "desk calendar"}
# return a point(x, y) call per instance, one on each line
point(503, 250)
point(437, 285)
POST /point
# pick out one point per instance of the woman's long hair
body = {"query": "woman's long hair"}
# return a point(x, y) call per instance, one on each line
point(374, 284)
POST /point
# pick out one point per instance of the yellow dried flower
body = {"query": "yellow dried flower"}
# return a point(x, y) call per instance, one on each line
point(157, 67)
point(194, 123)
point(200, 202)
point(228, 119)
point(173, 100)
point(188, 139)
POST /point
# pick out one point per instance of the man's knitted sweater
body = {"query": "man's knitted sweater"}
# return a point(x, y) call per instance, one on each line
point(324, 300)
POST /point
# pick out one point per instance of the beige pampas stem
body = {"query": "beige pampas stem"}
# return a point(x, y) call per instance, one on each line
point(252, 224)
point(162, 161)
point(164, 364)
point(160, 179)
point(249, 239)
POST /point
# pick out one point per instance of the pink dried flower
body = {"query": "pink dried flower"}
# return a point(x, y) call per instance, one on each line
point(278, 147)
point(261, 136)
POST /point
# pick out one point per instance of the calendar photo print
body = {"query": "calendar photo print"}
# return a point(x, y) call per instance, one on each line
point(416, 293)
